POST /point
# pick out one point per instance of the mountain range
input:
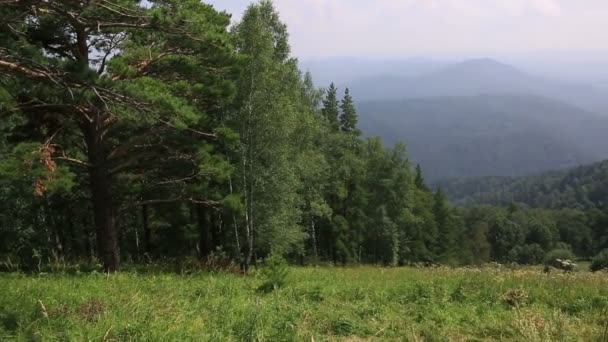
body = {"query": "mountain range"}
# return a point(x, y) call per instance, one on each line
point(477, 77)
point(488, 135)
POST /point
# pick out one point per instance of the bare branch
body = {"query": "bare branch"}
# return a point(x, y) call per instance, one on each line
point(23, 70)
point(197, 132)
point(74, 161)
point(208, 203)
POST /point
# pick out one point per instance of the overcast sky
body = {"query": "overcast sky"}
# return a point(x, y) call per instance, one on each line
point(405, 28)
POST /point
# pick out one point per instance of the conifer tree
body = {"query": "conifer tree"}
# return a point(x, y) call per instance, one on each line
point(419, 179)
point(331, 106)
point(109, 84)
point(348, 117)
point(446, 238)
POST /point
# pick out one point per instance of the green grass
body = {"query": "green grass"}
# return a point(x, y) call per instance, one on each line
point(322, 304)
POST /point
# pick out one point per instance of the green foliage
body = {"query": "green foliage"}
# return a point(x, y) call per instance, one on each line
point(274, 273)
point(562, 254)
point(583, 187)
point(348, 116)
point(331, 106)
point(189, 141)
point(527, 254)
point(600, 261)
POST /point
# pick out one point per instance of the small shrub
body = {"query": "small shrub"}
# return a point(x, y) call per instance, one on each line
point(314, 294)
point(92, 310)
point(343, 327)
point(9, 321)
point(515, 297)
point(527, 255)
point(600, 261)
point(563, 254)
point(274, 273)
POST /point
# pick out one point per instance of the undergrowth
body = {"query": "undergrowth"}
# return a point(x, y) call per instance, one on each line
point(320, 304)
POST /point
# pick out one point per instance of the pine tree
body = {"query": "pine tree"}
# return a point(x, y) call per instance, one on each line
point(442, 212)
point(419, 179)
point(348, 117)
point(331, 106)
point(110, 97)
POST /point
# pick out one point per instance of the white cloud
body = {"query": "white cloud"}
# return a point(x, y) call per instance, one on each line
point(548, 7)
point(399, 28)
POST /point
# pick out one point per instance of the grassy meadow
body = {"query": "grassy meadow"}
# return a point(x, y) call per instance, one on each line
point(315, 304)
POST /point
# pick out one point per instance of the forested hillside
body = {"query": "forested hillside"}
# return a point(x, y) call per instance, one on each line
point(488, 135)
point(584, 187)
point(136, 133)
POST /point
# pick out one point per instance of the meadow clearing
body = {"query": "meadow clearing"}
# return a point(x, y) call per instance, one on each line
point(315, 304)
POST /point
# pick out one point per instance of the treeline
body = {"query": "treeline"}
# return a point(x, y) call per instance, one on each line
point(134, 133)
point(571, 213)
point(519, 234)
point(584, 187)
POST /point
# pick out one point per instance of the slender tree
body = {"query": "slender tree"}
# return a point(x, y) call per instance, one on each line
point(331, 107)
point(267, 114)
point(348, 115)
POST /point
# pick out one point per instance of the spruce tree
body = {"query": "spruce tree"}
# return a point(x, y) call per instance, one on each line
point(442, 213)
point(419, 180)
point(331, 106)
point(348, 117)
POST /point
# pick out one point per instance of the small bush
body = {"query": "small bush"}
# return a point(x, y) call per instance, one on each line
point(515, 297)
point(527, 255)
point(274, 273)
point(600, 261)
point(562, 254)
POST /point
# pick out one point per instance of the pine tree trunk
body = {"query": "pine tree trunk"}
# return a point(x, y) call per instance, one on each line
point(205, 238)
point(147, 232)
point(103, 208)
point(75, 248)
point(105, 221)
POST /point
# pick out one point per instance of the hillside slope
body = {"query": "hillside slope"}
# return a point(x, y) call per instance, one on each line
point(488, 135)
point(477, 77)
point(581, 187)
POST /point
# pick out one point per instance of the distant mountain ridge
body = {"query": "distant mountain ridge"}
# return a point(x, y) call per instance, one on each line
point(476, 77)
point(488, 135)
point(344, 71)
point(583, 187)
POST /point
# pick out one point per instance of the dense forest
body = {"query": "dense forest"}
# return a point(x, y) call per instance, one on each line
point(488, 135)
point(584, 187)
point(135, 133)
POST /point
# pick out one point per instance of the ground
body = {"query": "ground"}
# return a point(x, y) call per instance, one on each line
point(315, 304)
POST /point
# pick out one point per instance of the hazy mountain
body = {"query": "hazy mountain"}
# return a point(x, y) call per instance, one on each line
point(343, 71)
point(475, 77)
point(581, 187)
point(488, 135)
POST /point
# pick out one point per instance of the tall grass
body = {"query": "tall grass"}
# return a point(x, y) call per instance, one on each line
point(320, 304)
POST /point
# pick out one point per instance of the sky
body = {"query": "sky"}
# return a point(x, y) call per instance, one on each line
point(321, 29)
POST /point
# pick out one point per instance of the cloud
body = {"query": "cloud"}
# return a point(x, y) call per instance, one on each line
point(548, 7)
point(401, 28)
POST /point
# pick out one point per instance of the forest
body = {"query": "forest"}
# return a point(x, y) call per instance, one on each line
point(171, 173)
point(134, 134)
